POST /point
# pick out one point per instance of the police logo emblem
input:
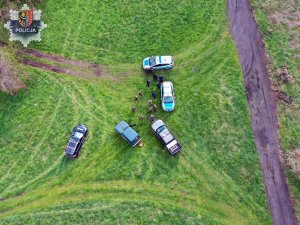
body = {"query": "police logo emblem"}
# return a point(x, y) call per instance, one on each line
point(25, 25)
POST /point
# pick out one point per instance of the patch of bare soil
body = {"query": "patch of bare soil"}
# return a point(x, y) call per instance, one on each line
point(293, 161)
point(262, 105)
point(285, 13)
point(57, 69)
point(91, 68)
point(9, 81)
point(96, 67)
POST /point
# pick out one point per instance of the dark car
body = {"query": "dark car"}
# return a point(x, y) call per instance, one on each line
point(163, 133)
point(76, 141)
point(127, 133)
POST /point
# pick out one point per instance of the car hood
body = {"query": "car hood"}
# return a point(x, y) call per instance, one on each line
point(168, 106)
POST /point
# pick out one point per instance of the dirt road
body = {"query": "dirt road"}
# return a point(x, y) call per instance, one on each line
point(262, 105)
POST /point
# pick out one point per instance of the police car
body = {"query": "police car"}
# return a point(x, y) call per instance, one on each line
point(167, 96)
point(158, 63)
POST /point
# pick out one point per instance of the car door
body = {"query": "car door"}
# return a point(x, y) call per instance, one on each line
point(157, 67)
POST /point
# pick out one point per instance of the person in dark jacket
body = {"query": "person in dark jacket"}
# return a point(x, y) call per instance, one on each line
point(153, 94)
point(161, 79)
point(151, 118)
point(148, 83)
point(155, 77)
point(158, 85)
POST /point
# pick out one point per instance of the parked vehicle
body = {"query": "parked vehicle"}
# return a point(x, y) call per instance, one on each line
point(158, 63)
point(76, 141)
point(127, 133)
point(168, 140)
point(167, 96)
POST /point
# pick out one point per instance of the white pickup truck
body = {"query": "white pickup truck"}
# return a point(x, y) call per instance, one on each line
point(162, 132)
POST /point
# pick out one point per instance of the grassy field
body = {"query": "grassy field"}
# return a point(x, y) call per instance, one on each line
point(276, 22)
point(216, 179)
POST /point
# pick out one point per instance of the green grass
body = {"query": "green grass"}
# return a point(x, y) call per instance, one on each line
point(216, 179)
point(277, 39)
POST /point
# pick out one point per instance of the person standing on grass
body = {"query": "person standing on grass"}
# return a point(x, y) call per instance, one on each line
point(150, 110)
point(140, 93)
point(148, 83)
point(142, 117)
point(153, 94)
point(161, 79)
point(154, 108)
point(136, 98)
point(155, 77)
point(149, 102)
point(158, 85)
point(151, 118)
point(133, 109)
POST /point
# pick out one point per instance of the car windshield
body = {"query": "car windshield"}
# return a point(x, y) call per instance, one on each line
point(160, 129)
point(152, 61)
point(77, 135)
point(168, 99)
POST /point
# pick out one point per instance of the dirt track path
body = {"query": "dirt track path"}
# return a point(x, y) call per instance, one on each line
point(262, 104)
point(90, 69)
point(60, 64)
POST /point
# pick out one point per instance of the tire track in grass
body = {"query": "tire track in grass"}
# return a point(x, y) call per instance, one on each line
point(105, 155)
point(78, 31)
point(224, 183)
point(201, 47)
point(192, 81)
point(41, 140)
point(96, 209)
point(36, 149)
point(82, 106)
point(40, 176)
point(21, 155)
point(120, 191)
point(50, 169)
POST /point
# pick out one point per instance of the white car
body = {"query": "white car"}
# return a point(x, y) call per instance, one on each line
point(162, 132)
point(167, 96)
point(158, 63)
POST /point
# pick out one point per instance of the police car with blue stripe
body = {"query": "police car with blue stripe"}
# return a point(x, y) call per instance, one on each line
point(158, 63)
point(167, 96)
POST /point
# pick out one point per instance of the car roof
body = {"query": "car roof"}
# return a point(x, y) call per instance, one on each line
point(168, 88)
point(121, 127)
point(166, 136)
point(130, 134)
point(162, 59)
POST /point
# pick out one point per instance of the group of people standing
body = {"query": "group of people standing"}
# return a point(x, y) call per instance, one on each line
point(152, 106)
